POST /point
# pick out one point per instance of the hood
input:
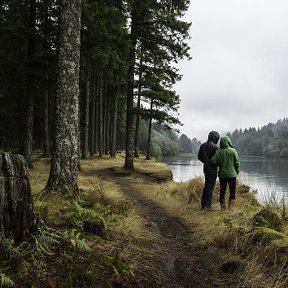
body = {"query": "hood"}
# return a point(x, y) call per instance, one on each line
point(225, 142)
point(214, 136)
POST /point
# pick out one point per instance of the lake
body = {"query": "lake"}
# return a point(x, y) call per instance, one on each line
point(267, 176)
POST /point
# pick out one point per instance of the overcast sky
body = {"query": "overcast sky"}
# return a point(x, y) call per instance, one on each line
point(238, 77)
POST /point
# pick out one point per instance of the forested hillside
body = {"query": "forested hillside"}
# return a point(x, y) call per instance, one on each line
point(270, 140)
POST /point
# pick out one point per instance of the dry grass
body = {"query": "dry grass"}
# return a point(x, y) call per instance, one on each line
point(229, 230)
point(225, 230)
point(39, 175)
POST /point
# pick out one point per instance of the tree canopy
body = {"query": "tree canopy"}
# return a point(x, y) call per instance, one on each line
point(126, 70)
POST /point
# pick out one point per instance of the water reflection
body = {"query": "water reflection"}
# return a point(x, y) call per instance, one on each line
point(267, 176)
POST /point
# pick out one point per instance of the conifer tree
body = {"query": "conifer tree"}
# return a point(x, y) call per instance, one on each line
point(65, 153)
point(156, 28)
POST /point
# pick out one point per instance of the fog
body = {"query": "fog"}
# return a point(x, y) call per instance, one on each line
point(237, 77)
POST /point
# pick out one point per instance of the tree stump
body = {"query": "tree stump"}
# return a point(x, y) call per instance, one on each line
point(16, 203)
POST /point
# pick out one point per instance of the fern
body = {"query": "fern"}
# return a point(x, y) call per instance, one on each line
point(74, 238)
point(45, 238)
point(5, 281)
point(77, 214)
point(7, 247)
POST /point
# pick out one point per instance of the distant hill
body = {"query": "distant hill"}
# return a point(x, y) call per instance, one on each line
point(270, 140)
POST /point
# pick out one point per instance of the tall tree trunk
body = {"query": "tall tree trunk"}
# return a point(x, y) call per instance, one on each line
point(28, 136)
point(106, 118)
point(46, 149)
point(136, 148)
point(85, 153)
point(96, 118)
point(65, 154)
point(114, 125)
point(101, 136)
point(148, 149)
point(92, 119)
point(92, 115)
point(47, 53)
point(130, 94)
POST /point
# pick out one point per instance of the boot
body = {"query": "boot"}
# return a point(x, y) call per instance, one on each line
point(223, 206)
point(231, 204)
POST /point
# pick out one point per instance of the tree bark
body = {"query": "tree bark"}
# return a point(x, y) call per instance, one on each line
point(92, 118)
point(101, 130)
point(46, 149)
point(107, 118)
point(136, 148)
point(148, 150)
point(16, 203)
point(85, 153)
point(130, 94)
point(65, 155)
point(28, 136)
point(47, 51)
point(114, 125)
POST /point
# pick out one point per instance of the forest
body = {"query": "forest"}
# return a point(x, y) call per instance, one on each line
point(270, 140)
point(86, 88)
point(89, 78)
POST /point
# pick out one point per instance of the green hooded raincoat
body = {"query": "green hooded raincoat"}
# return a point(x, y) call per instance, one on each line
point(227, 159)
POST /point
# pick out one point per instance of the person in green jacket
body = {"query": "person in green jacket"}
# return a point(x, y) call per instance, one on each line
point(228, 161)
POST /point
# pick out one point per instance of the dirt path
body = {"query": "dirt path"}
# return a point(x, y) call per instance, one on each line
point(175, 258)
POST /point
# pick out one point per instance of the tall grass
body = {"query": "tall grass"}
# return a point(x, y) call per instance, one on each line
point(237, 233)
point(255, 233)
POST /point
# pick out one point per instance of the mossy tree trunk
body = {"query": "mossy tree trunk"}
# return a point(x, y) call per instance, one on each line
point(65, 151)
point(16, 204)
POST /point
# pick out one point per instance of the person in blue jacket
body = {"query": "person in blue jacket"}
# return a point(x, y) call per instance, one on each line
point(206, 152)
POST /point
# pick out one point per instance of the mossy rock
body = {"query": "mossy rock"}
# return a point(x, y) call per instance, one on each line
point(281, 245)
point(268, 218)
point(266, 235)
point(277, 252)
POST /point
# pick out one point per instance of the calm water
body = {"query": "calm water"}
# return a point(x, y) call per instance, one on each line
point(267, 176)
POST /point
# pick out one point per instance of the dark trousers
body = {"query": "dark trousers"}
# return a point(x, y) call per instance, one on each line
point(232, 188)
point(210, 180)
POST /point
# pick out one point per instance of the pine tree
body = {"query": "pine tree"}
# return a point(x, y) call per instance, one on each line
point(159, 36)
point(65, 153)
